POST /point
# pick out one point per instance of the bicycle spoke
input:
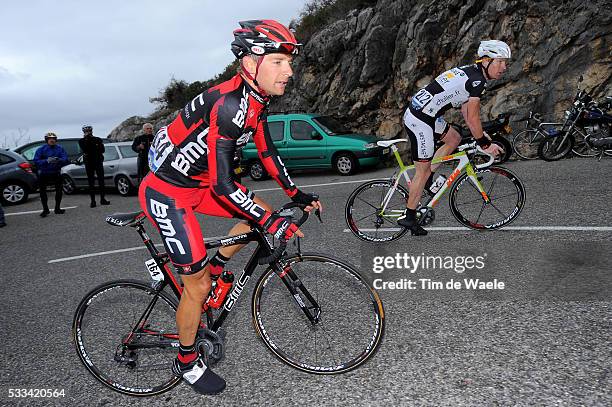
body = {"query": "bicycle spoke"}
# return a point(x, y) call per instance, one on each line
point(367, 203)
point(367, 216)
point(498, 210)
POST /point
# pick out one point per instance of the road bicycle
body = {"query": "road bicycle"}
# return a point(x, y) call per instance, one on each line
point(525, 144)
point(314, 312)
point(481, 197)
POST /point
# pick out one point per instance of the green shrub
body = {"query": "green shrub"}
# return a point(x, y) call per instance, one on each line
point(178, 92)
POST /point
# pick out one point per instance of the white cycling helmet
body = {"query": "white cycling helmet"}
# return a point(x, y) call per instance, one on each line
point(494, 49)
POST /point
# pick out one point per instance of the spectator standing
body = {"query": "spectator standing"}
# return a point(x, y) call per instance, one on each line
point(141, 145)
point(2, 222)
point(49, 160)
point(93, 157)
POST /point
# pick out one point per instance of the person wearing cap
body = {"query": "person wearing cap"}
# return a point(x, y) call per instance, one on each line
point(141, 146)
point(49, 160)
point(93, 158)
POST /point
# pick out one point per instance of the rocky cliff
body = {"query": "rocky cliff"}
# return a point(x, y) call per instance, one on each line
point(364, 68)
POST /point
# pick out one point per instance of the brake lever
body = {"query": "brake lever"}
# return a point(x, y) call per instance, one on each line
point(318, 213)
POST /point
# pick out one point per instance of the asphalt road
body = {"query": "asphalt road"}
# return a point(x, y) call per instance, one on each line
point(542, 340)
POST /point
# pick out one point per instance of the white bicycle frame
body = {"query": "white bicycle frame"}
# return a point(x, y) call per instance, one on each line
point(464, 163)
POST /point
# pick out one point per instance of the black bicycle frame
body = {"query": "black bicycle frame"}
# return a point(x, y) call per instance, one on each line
point(264, 248)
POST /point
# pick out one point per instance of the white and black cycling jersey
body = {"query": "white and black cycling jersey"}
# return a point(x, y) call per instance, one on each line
point(449, 89)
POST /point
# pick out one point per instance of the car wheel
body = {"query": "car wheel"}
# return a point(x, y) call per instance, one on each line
point(124, 186)
point(257, 171)
point(68, 185)
point(13, 193)
point(345, 164)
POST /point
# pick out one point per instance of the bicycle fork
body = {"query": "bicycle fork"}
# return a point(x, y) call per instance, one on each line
point(310, 307)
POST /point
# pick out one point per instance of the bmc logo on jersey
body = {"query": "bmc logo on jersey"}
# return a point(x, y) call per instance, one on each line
point(246, 203)
point(238, 120)
point(190, 153)
point(242, 140)
point(476, 83)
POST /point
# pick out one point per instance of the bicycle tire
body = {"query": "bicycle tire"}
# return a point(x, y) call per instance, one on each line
point(512, 187)
point(525, 144)
point(354, 215)
point(99, 354)
point(581, 148)
point(553, 148)
point(327, 280)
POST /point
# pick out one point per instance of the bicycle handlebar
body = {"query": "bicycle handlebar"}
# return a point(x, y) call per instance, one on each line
point(472, 147)
point(278, 252)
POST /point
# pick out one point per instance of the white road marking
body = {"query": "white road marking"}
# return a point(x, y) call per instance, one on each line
point(36, 211)
point(528, 228)
point(128, 249)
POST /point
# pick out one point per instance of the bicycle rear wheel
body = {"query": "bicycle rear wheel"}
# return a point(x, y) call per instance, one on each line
point(364, 211)
point(124, 333)
point(506, 199)
point(350, 315)
point(525, 144)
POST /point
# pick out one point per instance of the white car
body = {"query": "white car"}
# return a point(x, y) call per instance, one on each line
point(120, 170)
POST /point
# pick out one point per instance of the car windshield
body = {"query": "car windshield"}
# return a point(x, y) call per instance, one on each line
point(330, 125)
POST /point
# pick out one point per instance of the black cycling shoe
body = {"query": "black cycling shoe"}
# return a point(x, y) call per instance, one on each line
point(44, 213)
point(104, 202)
point(408, 220)
point(200, 377)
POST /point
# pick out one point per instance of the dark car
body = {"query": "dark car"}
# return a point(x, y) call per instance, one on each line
point(17, 180)
point(71, 145)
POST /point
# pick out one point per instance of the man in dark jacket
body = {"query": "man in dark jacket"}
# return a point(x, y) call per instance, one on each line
point(49, 159)
point(141, 145)
point(93, 157)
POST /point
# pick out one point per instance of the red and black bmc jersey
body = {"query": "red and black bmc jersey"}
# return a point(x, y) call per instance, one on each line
point(197, 149)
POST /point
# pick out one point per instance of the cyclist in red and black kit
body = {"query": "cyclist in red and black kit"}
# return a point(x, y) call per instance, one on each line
point(192, 171)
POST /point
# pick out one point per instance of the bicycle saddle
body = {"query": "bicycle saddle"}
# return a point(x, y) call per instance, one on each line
point(124, 219)
point(387, 143)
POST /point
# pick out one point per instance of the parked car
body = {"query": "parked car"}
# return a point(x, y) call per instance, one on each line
point(120, 170)
point(17, 180)
point(71, 145)
point(315, 141)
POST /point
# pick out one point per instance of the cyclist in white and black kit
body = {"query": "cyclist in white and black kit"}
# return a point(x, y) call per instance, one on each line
point(458, 87)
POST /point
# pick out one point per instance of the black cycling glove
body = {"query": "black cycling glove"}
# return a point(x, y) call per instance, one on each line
point(304, 198)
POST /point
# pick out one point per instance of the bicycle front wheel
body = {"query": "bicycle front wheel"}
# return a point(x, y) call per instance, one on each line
point(505, 192)
point(348, 315)
point(372, 211)
point(525, 144)
point(124, 333)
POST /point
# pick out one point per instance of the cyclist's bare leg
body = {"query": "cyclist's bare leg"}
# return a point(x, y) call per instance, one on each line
point(423, 170)
point(451, 140)
point(195, 291)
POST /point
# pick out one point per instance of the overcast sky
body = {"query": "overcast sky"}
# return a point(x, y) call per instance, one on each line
point(67, 63)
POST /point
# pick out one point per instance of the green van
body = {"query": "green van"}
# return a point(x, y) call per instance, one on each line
point(306, 140)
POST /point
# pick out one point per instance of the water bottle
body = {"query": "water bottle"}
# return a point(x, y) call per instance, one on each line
point(223, 287)
point(437, 184)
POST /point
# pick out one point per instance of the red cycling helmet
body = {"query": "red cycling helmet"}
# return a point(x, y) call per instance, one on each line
point(261, 37)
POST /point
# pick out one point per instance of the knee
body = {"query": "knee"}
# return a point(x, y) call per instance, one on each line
point(197, 288)
point(452, 138)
